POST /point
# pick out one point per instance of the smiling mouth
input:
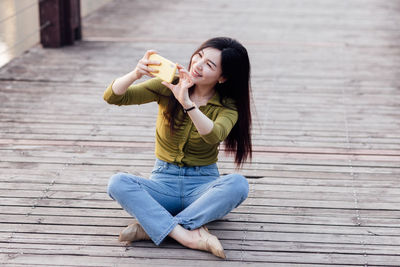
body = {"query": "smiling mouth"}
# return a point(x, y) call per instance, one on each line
point(195, 74)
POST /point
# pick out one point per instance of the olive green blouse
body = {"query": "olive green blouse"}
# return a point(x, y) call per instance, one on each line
point(185, 147)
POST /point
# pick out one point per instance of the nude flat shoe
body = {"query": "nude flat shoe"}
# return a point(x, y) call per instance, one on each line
point(133, 232)
point(209, 242)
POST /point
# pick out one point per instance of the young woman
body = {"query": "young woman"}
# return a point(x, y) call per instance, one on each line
point(207, 104)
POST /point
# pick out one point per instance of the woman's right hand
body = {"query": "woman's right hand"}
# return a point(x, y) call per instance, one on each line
point(142, 68)
point(121, 84)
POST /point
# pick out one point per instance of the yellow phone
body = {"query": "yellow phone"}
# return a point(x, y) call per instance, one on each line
point(167, 69)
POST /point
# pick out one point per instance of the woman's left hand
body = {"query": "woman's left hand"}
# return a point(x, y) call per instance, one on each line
point(181, 90)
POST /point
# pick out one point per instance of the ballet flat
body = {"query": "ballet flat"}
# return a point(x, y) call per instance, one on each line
point(209, 242)
point(133, 232)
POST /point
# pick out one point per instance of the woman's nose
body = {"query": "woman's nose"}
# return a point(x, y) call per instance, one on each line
point(198, 65)
point(201, 64)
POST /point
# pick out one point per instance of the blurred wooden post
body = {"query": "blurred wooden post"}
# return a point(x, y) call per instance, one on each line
point(63, 18)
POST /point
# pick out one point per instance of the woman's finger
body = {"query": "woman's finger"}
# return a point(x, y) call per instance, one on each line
point(184, 71)
point(185, 75)
point(180, 74)
point(151, 70)
point(145, 68)
point(154, 62)
point(150, 62)
point(169, 85)
point(148, 53)
point(181, 68)
point(143, 71)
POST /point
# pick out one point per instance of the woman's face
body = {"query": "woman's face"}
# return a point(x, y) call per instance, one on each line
point(205, 67)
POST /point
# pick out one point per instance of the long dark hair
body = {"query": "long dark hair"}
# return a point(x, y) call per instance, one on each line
point(235, 66)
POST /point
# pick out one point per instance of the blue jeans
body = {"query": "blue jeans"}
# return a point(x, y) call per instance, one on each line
point(189, 196)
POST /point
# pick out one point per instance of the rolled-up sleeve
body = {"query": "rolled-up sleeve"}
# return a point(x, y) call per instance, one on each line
point(223, 125)
point(141, 93)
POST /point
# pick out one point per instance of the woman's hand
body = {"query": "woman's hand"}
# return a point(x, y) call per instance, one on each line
point(142, 68)
point(121, 84)
point(181, 90)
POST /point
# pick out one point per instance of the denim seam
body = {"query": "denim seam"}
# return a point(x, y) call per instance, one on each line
point(152, 189)
point(185, 222)
point(174, 223)
point(181, 189)
point(169, 229)
point(202, 192)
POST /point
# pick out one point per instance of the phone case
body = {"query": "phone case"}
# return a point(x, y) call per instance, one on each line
point(167, 69)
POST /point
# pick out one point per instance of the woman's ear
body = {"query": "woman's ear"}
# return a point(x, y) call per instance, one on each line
point(221, 79)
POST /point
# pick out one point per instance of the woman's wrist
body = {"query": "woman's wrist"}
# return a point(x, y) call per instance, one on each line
point(134, 75)
point(188, 105)
point(186, 110)
point(121, 84)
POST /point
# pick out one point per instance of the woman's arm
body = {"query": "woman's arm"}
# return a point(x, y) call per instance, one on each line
point(222, 126)
point(121, 84)
point(181, 92)
point(202, 123)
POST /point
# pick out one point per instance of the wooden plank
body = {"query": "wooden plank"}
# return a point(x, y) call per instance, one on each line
point(80, 192)
point(78, 260)
point(110, 241)
point(101, 176)
point(259, 169)
point(32, 219)
point(254, 256)
point(259, 157)
point(285, 211)
point(235, 221)
point(22, 180)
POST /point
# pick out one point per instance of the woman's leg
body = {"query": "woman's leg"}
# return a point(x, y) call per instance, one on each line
point(147, 200)
point(143, 198)
point(213, 201)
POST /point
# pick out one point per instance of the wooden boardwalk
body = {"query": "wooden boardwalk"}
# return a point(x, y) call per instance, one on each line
point(324, 182)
